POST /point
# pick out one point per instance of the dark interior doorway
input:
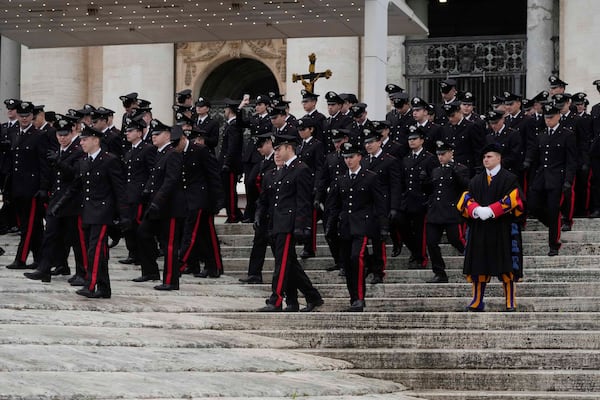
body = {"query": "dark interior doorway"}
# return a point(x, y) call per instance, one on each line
point(234, 78)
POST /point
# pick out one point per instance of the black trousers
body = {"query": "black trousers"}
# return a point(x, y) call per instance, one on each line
point(30, 213)
point(311, 247)
point(567, 206)
point(135, 213)
point(229, 180)
point(456, 237)
point(288, 275)
point(583, 193)
point(378, 261)
point(252, 193)
point(97, 245)
point(412, 229)
point(169, 232)
point(595, 185)
point(333, 240)
point(545, 204)
point(200, 240)
point(354, 254)
point(61, 235)
point(258, 252)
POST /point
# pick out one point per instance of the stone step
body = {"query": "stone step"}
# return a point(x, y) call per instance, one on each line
point(225, 288)
point(538, 249)
point(485, 359)
point(528, 237)
point(558, 321)
point(436, 338)
point(580, 224)
point(190, 384)
point(505, 395)
point(527, 380)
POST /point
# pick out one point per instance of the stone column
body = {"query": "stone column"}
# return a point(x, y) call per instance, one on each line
point(375, 58)
point(148, 69)
point(10, 72)
point(540, 52)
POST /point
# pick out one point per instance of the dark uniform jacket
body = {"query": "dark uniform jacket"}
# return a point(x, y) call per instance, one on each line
point(556, 158)
point(266, 165)
point(582, 136)
point(433, 133)
point(357, 205)
point(321, 119)
point(138, 161)
point(292, 207)
point(337, 121)
point(264, 204)
point(258, 125)
point(449, 182)
point(8, 135)
point(395, 149)
point(595, 114)
point(231, 148)
point(526, 127)
point(399, 125)
point(164, 184)
point(211, 137)
point(103, 188)
point(389, 170)
point(333, 167)
point(30, 170)
point(312, 154)
point(468, 143)
point(65, 171)
point(51, 134)
point(112, 143)
point(510, 141)
point(356, 132)
point(417, 181)
point(287, 130)
point(200, 179)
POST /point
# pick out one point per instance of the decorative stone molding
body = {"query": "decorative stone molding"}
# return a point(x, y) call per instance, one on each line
point(460, 56)
point(196, 60)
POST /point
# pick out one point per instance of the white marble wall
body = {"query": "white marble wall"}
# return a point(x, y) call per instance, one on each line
point(340, 55)
point(146, 69)
point(579, 55)
point(56, 78)
point(540, 48)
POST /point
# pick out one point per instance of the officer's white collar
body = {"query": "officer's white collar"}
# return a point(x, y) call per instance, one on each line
point(95, 154)
point(350, 172)
point(288, 162)
point(164, 146)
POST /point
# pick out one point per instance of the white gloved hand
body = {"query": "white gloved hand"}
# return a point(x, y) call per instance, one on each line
point(476, 212)
point(485, 213)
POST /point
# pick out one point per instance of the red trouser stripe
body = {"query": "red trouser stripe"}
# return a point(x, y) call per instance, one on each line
point(314, 230)
point(29, 230)
point(231, 194)
point(99, 249)
point(82, 244)
point(588, 191)
point(170, 251)
point(279, 288)
point(361, 269)
point(461, 234)
point(138, 215)
point(572, 205)
point(214, 243)
point(186, 255)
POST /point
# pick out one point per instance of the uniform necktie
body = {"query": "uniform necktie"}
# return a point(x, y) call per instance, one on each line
point(550, 131)
point(414, 156)
point(371, 158)
point(353, 176)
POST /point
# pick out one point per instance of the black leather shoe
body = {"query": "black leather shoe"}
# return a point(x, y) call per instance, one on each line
point(357, 306)
point(62, 270)
point(342, 272)
point(189, 271)
point(2, 251)
point(566, 227)
point(100, 295)
point(553, 252)
point(38, 276)
point(207, 274)
point(332, 268)
point(85, 292)
point(291, 308)
point(595, 214)
point(252, 279)
point(128, 260)
point(113, 243)
point(396, 251)
point(248, 221)
point(307, 254)
point(17, 265)
point(376, 279)
point(511, 309)
point(146, 278)
point(313, 306)
point(78, 281)
point(438, 278)
point(270, 308)
point(167, 287)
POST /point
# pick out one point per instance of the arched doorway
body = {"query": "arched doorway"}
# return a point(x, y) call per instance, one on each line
point(234, 78)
